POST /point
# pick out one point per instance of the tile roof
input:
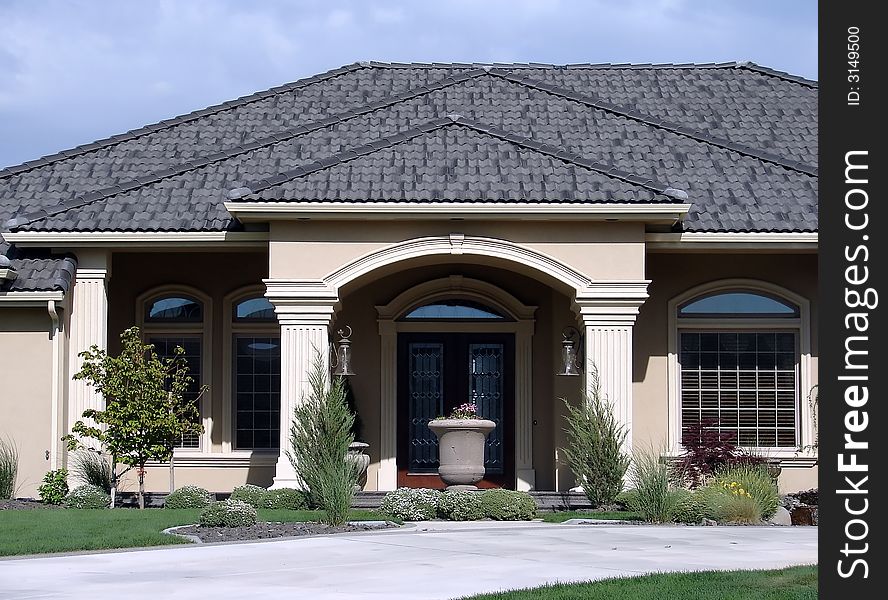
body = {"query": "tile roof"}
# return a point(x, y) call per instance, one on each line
point(740, 139)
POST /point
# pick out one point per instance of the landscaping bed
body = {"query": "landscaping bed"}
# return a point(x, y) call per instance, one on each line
point(24, 504)
point(266, 531)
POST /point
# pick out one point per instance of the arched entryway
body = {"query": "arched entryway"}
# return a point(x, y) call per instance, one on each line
point(449, 341)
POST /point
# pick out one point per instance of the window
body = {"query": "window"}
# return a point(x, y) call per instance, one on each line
point(172, 320)
point(454, 310)
point(256, 371)
point(739, 367)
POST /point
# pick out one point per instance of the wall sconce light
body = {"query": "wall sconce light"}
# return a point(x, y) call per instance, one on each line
point(342, 354)
point(569, 353)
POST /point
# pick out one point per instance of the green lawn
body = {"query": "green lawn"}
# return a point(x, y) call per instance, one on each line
point(562, 516)
point(40, 531)
point(797, 583)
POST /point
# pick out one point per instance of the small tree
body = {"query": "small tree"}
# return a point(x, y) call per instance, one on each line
point(145, 413)
point(595, 449)
point(320, 435)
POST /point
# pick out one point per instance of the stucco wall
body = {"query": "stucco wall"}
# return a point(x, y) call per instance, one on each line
point(672, 274)
point(26, 391)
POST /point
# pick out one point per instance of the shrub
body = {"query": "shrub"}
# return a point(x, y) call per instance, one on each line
point(654, 495)
point(320, 435)
point(92, 468)
point(8, 469)
point(728, 503)
point(87, 496)
point(228, 513)
point(461, 506)
point(706, 450)
point(508, 505)
point(595, 449)
point(286, 498)
point(188, 496)
point(411, 504)
point(689, 506)
point(249, 493)
point(755, 482)
point(54, 487)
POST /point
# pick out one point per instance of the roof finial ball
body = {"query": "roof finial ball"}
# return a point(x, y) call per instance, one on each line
point(7, 273)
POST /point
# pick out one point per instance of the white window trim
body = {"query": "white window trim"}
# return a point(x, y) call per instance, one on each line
point(807, 378)
point(205, 331)
point(230, 328)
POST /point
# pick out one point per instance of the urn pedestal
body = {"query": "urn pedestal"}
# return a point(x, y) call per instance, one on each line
point(461, 450)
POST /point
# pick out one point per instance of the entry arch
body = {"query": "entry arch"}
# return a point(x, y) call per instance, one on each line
point(521, 324)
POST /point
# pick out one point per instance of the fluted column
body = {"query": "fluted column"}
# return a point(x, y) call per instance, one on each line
point(304, 312)
point(89, 327)
point(608, 310)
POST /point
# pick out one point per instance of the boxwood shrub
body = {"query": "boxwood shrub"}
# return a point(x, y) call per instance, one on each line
point(287, 498)
point(228, 513)
point(87, 496)
point(461, 506)
point(411, 504)
point(249, 493)
point(508, 505)
point(188, 496)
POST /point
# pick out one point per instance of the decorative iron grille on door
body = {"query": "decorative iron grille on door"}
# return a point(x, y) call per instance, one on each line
point(486, 391)
point(426, 391)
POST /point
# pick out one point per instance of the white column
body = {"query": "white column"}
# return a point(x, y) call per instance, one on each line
point(89, 327)
point(608, 310)
point(304, 313)
point(387, 472)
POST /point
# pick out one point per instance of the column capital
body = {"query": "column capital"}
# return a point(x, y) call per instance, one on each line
point(611, 303)
point(302, 301)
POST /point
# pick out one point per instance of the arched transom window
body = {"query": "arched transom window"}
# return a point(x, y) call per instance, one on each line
point(738, 353)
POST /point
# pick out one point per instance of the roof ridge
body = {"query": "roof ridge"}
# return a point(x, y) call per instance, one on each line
point(655, 122)
point(156, 176)
point(406, 135)
point(531, 65)
point(177, 120)
point(751, 66)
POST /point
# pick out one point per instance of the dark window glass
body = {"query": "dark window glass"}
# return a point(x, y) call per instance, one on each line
point(464, 310)
point(174, 309)
point(738, 304)
point(254, 309)
point(741, 384)
point(165, 347)
point(257, 397)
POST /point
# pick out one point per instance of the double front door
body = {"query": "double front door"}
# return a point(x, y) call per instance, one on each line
point(440, 371)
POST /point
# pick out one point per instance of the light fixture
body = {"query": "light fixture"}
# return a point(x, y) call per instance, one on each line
point(342, 354)
point(569, 353)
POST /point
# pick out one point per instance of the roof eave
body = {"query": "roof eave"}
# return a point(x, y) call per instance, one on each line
point(507, 211)
point(742, 241)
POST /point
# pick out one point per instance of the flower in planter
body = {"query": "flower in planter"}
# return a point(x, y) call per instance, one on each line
point(464, 411)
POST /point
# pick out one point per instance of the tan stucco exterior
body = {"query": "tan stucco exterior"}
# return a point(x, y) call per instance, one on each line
point(334, 256)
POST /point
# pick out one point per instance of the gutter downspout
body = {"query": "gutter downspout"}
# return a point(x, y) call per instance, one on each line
point(54, 331)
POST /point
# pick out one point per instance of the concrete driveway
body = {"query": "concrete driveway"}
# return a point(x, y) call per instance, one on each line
point(429, 561)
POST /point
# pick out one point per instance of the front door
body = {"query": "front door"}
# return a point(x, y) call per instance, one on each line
point(436, 373)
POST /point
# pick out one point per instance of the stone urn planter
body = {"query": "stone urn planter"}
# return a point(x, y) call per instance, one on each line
point(461, 450)
point(360, 461)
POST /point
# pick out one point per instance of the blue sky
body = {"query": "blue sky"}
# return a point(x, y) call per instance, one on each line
point(77, 70)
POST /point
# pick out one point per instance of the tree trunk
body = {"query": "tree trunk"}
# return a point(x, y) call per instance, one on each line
point(172, 473)
point(142, 487)
point(113, 480)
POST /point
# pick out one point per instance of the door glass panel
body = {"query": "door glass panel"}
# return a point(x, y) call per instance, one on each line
point(486, 391)
point(425, 363)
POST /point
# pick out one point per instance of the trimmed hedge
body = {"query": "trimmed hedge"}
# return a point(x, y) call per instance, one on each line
point(87, 496)
point(228, 513)
point(188, 496)
point(508, 505)
point(249, 493)
point(461, 506)
point(412, 504)
point(286, 498)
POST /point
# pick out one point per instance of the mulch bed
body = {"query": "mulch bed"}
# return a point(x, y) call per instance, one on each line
point(24, 504)
point(267, 531)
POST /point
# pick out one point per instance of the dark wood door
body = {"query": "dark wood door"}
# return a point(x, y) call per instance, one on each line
point(436, 373)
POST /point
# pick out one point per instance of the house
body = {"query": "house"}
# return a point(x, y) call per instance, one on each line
point(465, 226)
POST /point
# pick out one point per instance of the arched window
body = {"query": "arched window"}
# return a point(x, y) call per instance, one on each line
point(454, 310)
point(177, 318)
point(739, 366)
point(256, 371)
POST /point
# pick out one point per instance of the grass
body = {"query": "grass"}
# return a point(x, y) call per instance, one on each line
point(562, 516)
point(796, 583)
point(42, 531)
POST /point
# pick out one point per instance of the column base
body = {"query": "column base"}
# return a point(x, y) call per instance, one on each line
point(285, 476)
point(387, 475)
point(526, 480)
